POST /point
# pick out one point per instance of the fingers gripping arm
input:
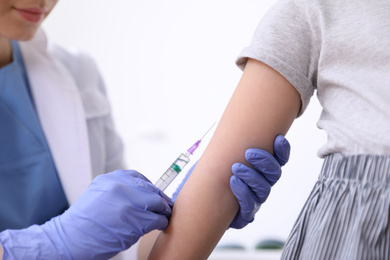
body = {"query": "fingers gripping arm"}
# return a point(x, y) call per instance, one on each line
point(263, 106)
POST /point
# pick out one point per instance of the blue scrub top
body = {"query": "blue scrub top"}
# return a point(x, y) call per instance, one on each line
point(30, 190)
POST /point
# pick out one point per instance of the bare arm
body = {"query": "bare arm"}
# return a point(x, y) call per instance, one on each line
point(263, 106)
point(146, 244)
point(1, 252)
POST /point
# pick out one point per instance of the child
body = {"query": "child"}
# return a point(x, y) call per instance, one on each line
point(342, 50)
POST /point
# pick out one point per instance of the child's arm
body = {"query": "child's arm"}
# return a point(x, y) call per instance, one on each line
point(263, 106)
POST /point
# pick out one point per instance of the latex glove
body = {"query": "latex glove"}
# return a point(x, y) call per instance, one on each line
point(110, 216)
point(252, 186)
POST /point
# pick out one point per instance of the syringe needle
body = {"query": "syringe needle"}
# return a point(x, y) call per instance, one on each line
point(208, 131)
point(178, 165)
point(195, 145)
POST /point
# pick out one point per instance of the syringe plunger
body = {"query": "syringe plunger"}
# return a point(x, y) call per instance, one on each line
point(174, 170)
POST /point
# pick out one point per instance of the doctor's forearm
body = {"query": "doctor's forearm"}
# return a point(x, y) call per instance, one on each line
point(263, 106)
point(1, 252)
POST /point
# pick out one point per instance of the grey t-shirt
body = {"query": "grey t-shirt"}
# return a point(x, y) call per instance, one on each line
point(342, 49)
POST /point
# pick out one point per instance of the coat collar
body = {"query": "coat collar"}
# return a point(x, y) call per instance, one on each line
point(60, 110)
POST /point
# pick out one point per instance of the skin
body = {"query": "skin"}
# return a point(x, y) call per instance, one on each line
point(192, 226)
point(14, 27)
point(146, 244)
point(264, 105)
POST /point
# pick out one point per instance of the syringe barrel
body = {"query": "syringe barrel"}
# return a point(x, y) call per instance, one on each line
point(172, 172)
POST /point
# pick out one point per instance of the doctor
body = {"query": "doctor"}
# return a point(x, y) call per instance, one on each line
point(57, 135)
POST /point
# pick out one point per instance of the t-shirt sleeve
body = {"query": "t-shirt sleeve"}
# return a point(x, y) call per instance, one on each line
point(287, 39)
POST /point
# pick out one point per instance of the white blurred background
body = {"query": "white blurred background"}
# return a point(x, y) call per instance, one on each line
point(169, 68)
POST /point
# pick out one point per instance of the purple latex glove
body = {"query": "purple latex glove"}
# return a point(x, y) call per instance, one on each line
point(111, 215)
point(252, 186)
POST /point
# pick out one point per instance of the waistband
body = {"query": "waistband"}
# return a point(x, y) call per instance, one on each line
point(360, 167)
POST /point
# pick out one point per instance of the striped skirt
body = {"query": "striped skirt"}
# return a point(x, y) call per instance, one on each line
point(347, 215)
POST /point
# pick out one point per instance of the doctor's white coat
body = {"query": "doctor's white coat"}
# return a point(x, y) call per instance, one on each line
point(74, 112)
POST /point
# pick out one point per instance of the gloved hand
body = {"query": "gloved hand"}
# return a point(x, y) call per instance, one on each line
point(110, 216)
point(252, 186)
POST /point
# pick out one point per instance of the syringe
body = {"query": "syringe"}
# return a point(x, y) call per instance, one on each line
point(178, 165)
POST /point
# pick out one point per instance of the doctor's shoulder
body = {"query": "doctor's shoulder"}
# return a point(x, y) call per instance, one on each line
point(79, 63)
point(81, 73)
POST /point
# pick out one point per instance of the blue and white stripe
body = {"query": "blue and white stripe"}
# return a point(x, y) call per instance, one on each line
point(347, 214)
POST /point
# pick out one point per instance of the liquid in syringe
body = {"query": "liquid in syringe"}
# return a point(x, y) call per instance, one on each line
point(178, 165)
